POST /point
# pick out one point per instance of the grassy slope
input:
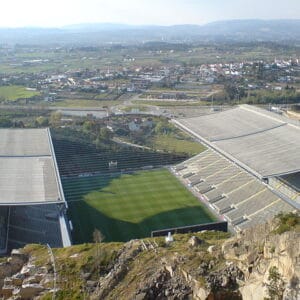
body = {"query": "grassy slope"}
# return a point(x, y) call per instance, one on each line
point(75, 260)
point(15, 92)
point(170, 143)
point(131, 206)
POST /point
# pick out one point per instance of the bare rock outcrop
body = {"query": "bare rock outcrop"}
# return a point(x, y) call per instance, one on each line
point(256, 264)
point(255, 251)
point(119, 269)
point(23, 279)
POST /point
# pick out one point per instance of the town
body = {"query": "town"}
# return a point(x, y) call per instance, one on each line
point(60, 76)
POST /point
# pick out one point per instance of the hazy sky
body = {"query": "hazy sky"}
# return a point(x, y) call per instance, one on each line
point(54, 13)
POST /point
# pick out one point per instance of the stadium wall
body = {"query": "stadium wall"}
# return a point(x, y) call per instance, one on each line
point(280, 186)
point(64, 224)
point(217, 226)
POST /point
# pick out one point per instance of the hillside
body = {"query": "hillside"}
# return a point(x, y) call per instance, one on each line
point(260, 262)
point(239, 30)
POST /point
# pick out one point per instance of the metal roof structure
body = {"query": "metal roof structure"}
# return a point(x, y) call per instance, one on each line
point(263, 143)
point(28, 170)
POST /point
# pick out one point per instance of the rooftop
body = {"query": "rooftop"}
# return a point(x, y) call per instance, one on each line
point(28, 172)
point(260, 141)
point(24, 142)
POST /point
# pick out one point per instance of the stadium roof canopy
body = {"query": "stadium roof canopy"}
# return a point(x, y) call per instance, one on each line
point(260, 141)
point(28, 170)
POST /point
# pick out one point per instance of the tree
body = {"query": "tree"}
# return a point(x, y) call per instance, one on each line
point(260, 71)
point(163, 127)
point(42, 121)
point(55, 119)
point(276, 284)
point(105, 134)
point(230, 90)
point(98, 237)
point(5, 122)
point(234, 91)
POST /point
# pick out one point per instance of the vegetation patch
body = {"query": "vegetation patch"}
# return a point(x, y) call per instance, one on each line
point(72, 262)
point(287, 221)
point(170, 143)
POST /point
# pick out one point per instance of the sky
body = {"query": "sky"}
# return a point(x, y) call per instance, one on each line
point(57, 13)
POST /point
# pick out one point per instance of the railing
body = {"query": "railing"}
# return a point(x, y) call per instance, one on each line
point(54, 271)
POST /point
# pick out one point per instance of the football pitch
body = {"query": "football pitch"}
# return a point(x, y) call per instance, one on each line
point(130, 206)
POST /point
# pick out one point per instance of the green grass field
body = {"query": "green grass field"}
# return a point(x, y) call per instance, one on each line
point(14, 92)
point(130, 206)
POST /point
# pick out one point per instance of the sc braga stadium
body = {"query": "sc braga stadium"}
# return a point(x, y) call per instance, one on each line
point(32, 203)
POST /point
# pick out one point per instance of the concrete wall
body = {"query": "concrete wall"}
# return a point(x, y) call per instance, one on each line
point(217, 226)
point(283, 188)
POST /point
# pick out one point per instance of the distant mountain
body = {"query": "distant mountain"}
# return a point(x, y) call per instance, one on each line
point(92, 27)
point(255, 29)
point(236, 30)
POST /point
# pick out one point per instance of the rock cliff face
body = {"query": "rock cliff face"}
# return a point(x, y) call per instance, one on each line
point(254, 264)
point(256, 251)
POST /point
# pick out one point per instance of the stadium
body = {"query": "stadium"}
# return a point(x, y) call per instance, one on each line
point(249, 172)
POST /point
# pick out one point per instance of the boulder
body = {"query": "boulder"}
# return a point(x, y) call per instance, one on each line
point(31, 279)
point(170, 270)
point(195, 241)
point(8, 281)
point(28, 291)
point(17, 254)
point(7, 292)
point(253, 291)
point(29, 270)
point(212, 249)
point(17, 281)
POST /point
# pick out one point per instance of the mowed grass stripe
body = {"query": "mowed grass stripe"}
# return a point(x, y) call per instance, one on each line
point(131, 206)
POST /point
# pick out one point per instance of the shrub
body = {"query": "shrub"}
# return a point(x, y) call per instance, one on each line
point(287, 221)
point(276, 284)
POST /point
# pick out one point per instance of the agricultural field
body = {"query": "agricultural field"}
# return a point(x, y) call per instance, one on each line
point(63, 59)
point(14, 92)
point(130, 206)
